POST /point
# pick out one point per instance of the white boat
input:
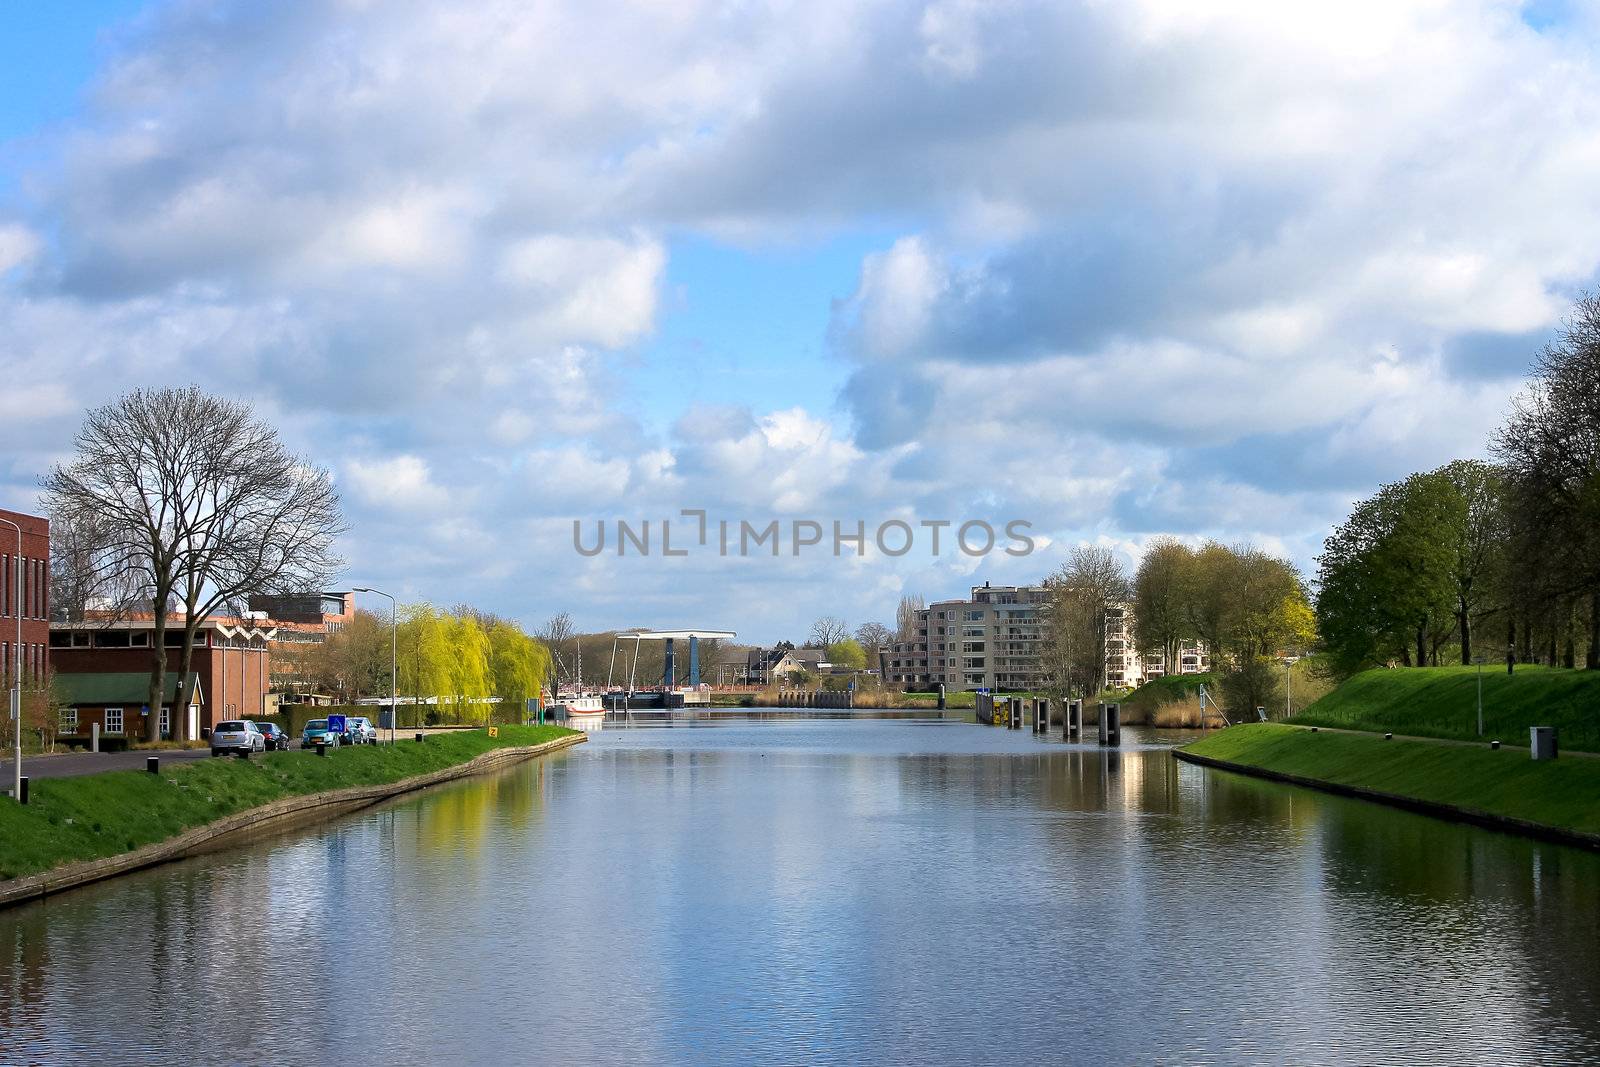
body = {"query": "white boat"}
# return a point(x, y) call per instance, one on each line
point(579, 711)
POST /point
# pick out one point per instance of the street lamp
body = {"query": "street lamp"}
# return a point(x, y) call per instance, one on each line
point(394, 638)
point(16, 673)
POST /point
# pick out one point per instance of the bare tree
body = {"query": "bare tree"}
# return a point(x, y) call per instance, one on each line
point(202, 500)
point(828, 630)
point(555, 633)
point(87, 573)
point(1082, 593)
point(873, 636)
point(905, 616)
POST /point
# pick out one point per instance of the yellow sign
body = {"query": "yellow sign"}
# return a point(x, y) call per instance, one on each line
point(494, 731)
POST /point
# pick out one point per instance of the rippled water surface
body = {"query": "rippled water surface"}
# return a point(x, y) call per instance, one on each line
point(848, 892)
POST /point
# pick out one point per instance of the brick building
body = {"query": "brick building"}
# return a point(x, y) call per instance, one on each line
point(300, 623)
point(117, 702)
point(35, 590)
point(230, 658)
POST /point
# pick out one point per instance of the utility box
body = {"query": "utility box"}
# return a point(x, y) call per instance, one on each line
point(1542, 741)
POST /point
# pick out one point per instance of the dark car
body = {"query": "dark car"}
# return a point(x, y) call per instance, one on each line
point(276, 738)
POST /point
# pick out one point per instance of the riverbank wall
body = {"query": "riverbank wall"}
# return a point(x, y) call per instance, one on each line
point(1498, 789)
point(275, 817)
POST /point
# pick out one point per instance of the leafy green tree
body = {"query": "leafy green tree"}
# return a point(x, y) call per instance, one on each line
point(1385, 576)
point(847, 652)
point(1550, 450)
point(1161, 622)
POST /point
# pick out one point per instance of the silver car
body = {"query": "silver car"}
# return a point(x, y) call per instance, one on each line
point(362, 730)
point(237, 735)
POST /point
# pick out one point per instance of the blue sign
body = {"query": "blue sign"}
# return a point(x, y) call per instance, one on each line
point(336, 724)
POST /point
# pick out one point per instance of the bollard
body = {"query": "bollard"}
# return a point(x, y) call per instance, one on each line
point(1113, 712)
point(94, 737)
point(152, 764)
point(1103, 724)
point(419, 737)
point(322, 748)
point(1016, 713)
point(1041, 715)
point(1388, 737)
point(1542, 742)
point(22, 794)
point(1494, 745)
point(1074, 719)
point(941, 696)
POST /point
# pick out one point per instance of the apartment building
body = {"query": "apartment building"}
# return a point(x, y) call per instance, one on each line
point(993, 640)
point(988, 641)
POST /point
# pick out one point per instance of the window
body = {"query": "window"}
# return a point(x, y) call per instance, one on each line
point(61, 639)
point(113, 721)
point(975, 616)
point(69, 721)
point(140, 639)
point(166, 721)
point(111, 639)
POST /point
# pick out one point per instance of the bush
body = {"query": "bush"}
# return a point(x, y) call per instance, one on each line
point(1253, 683)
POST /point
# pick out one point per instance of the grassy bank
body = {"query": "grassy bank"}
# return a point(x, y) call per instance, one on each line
point(1443, 702)
point(94, 816)
point(1564, 794)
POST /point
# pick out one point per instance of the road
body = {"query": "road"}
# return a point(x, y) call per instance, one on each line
point(78, 763)
point(72, 765)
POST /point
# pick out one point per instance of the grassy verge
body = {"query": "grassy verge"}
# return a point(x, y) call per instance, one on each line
point(94, 816)
point(1443, 702)
point(1564, 794)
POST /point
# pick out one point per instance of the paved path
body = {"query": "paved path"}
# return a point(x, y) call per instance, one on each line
point(78, 763)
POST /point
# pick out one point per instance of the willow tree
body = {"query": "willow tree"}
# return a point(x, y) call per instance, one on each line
point(518, 666)
point(199, 501)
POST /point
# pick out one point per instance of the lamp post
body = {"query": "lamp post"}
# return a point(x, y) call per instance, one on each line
point(16, 673)
point(394, 646)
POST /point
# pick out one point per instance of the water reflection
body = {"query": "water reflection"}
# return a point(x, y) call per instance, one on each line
point(837, 892)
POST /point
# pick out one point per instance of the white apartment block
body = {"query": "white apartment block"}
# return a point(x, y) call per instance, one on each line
point(993, 641)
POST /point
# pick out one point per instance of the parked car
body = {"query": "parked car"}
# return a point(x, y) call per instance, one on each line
point(237, 735)
point(361, 728)
point(317, 730)
point(275, 736)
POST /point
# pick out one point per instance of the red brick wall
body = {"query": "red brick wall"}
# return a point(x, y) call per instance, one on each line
point(242, 694)
point(35, 592)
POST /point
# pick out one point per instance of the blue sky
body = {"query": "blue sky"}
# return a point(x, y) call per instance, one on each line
point(1122, 271)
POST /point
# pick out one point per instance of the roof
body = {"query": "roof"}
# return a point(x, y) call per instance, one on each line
point(806, 655)
point(117, 687)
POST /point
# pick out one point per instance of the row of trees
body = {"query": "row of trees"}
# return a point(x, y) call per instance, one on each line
point(1476, 557)
point(1246, 605)
point(465, 660)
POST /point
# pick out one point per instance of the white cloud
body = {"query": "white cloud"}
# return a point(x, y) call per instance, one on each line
point(400, 483)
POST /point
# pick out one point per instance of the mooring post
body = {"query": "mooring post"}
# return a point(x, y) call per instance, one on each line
point(941, 696)
point(1074, 719)
point(1103, 723)
point(1112, 715)
point(1016, 713)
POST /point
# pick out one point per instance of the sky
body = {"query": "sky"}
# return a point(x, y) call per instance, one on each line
point(1114, 270)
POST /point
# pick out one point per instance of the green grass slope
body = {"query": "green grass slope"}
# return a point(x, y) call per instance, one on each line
point(1443, 702)
point(1564, 793)
point(70, 819)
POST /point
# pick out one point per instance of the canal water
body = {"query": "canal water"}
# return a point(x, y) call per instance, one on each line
point(830, 892)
